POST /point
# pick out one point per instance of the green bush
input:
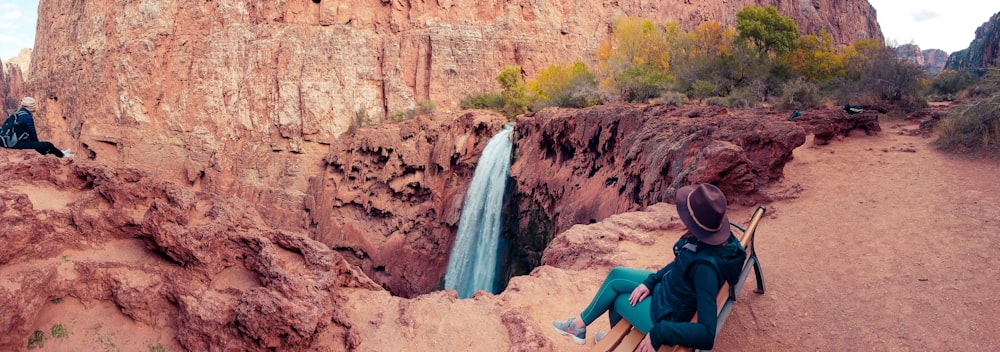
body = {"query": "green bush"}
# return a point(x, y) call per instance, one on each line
point(735, 101)
point(974, 126)
point(59, 331)
point(641, 83)
point(672, 98)
point(717, 101)
point(571, 87)
point(971, 127)
point(511, 101)
point(423, 108)
point(743, 95)
point(800, 94)
point(37, 340)
point(491, 101)
point(950, 82)
point(702, 89)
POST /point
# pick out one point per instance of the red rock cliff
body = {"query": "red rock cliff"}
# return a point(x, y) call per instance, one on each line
point(983, 51)
point(246, 97)
point(11, 88)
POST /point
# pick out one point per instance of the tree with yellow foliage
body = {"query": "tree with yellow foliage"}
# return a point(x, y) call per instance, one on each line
point(566, 86)
point(815, 58)
point(634, 59)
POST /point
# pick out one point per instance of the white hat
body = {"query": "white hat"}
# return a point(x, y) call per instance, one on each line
point(28, 102)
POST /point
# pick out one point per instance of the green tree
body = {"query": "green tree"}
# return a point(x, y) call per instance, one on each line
point(767, 29)
point(514, 97)
point(878, 75)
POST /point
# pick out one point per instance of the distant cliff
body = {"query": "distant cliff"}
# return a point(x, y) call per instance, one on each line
point(911, 53)
point(22, 61)
point(245, 97)
point(934, 60)
point(983, 51)
point(11, 87)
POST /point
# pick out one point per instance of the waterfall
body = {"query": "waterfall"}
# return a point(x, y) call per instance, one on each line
point(472, 265)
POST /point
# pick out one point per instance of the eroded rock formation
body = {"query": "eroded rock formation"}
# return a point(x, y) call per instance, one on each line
point(582, 166)
point(828, 124)
point(391, 196)
point(246, 97)
point(202, 270)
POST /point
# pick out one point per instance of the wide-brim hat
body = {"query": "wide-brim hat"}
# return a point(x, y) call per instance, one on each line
point(702, 208)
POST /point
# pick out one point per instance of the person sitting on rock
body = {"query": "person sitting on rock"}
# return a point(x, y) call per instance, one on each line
point(704, 258)
point(24, 135)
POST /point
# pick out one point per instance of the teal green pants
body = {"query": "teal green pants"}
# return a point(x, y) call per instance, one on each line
point(613, 296)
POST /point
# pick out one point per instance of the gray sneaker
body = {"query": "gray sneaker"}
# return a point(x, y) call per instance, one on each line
point(599, 336)
point(568, 327)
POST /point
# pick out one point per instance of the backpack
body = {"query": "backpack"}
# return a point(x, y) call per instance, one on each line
point(8, 132)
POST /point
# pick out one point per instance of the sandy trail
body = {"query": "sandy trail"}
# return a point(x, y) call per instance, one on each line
point(890, 246)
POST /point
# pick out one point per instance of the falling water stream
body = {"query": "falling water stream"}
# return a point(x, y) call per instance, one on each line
point(472, 265)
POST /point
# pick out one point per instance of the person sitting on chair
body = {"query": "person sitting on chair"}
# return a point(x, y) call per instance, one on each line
point(707, 256)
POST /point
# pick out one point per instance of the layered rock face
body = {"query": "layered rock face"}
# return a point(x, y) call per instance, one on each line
point(983, 52)
point(246, 97)
point(582, 166)
point(390, 196)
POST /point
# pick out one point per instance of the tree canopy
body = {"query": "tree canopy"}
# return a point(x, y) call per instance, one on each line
point(767, 29)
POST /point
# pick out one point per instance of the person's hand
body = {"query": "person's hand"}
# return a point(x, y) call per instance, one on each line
point(638, 294)
point(646, 345)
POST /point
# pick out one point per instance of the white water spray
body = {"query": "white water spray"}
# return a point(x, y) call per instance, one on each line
point(472, 265)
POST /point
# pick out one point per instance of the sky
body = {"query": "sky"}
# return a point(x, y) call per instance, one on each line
point(948, 25)
point(17, 26)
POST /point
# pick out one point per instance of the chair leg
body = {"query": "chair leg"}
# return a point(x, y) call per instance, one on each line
point(759, 274)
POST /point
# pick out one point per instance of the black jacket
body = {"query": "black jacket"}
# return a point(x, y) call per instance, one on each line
point(26, 123)
point(690, 284)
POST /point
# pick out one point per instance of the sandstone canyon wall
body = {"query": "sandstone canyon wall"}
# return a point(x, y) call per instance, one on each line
point(11, 88)
point(983, 51)
point(22, 61)
point(934, 60)
point(246, 97)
